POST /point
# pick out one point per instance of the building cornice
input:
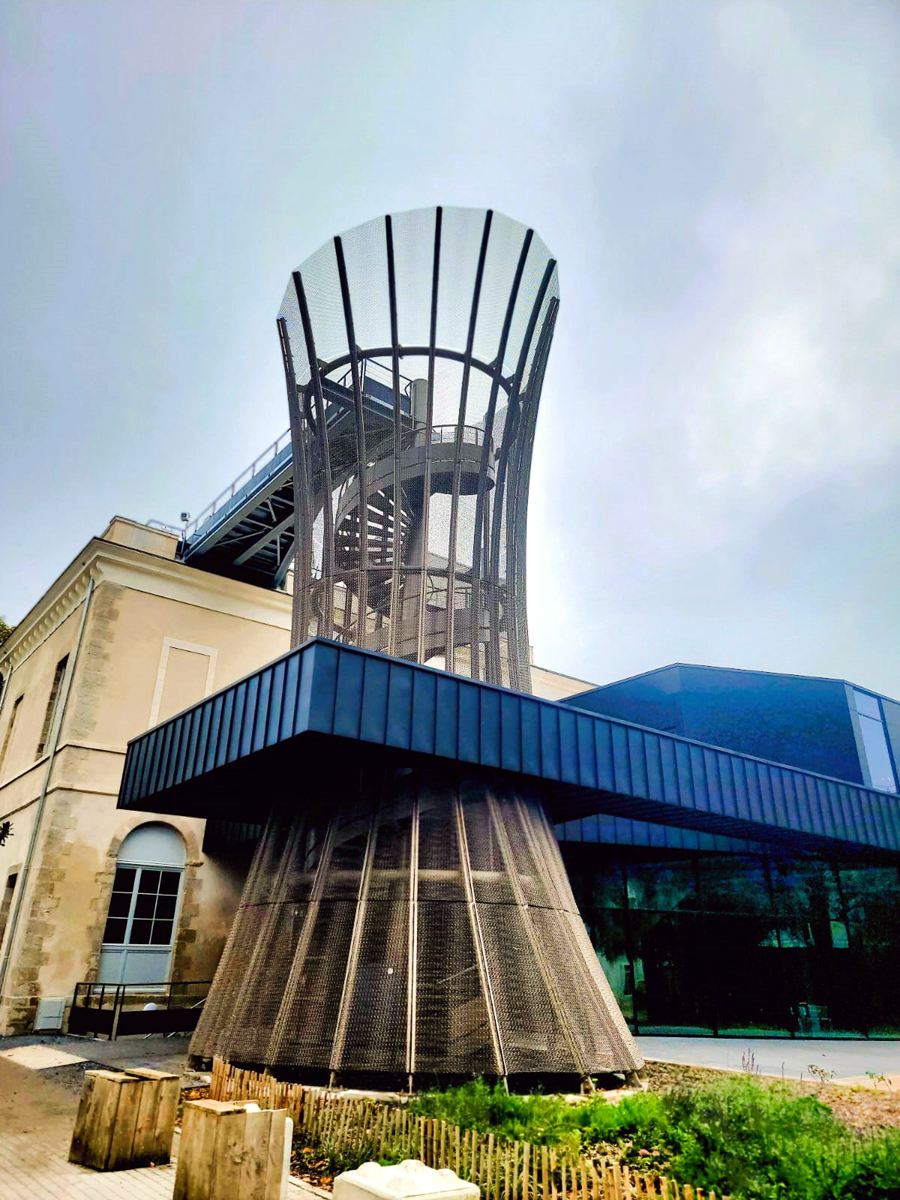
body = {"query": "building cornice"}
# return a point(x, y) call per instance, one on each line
point(157, 576)
point(142, 571)
point(55, 606)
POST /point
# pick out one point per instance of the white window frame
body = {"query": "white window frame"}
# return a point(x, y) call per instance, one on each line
point(140, 867)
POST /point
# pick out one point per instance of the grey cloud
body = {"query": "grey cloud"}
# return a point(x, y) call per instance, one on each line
point(720, 431)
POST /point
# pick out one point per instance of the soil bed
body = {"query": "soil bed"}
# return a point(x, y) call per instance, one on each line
point(862, 1108)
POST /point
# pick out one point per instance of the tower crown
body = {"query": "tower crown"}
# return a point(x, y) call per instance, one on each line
point(414, 350)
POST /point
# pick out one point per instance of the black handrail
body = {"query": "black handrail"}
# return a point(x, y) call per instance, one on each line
point(87, 991)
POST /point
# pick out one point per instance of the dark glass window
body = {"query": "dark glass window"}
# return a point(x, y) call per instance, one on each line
point(7, 737)
point(142, 907)
point(744, 944)
point(662, 886)
point(875, 743)
point(52, 704)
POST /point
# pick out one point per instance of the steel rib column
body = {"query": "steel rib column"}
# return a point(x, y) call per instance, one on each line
point(255, 974)
point(450, 652)
point(518, 502)
point(325, 622)
point(429, 418)
point(359, 920)
point(413, 945)
point(511, 868)
point(362, 593)
point(302, 522)
point(280, 1030)
point(499, 506)
point(477, 938)
point(492, 673)
point(396, 551)
point(208, 1038)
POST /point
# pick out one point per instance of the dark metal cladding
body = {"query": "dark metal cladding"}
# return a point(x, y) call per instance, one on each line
point(414, 350)
point(586, 762)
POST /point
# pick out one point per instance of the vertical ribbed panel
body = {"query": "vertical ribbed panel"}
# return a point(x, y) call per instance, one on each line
point(425, 927)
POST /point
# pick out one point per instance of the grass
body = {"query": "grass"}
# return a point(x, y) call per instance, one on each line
point(751, 1139)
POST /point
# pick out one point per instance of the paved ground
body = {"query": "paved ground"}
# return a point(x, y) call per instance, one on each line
point(160, 1052)
point(38, 1102)
point(36, 1119)
point(37, 1115)
point(849, 1060)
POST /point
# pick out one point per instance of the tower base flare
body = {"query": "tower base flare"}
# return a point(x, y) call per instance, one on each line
point(408, 924)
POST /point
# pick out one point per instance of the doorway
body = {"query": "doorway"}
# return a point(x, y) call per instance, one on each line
point(139, 936)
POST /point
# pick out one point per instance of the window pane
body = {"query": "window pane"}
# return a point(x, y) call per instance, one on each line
point(165, 908)
point(867, 705)
point(149, 881)
point(119, 904)
point(124, 880)
point(169, 883)
point(162, 933)
point(877, 755)
point(115, 930)
point(140, 933)
point(661, 886)
point(144, 906)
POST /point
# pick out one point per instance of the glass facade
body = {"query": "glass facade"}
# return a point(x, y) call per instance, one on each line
point(875, 742)
point(709, 939)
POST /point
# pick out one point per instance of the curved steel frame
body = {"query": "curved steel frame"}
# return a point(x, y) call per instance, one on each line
point(411, 491)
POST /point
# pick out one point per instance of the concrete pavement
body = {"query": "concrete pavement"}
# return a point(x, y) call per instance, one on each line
point(849, 1059)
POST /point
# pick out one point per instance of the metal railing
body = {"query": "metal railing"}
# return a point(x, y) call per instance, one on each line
point(187, 531)
point(241, 481)
point(120, 1009)
point(472, 435)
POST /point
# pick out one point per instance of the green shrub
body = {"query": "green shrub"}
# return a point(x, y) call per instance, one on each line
point(751, 1139)
point(869, 1169)
point(537, 1118)
point(642, 1116)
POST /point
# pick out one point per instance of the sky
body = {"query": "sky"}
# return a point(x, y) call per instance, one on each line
point(716, 463)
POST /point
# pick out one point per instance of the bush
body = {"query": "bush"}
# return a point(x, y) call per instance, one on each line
point(740, 1136)
point(543, 1120)
point(751, 1139)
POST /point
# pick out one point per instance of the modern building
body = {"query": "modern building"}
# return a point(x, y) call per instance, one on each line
point(701, 933)
point(731, 838)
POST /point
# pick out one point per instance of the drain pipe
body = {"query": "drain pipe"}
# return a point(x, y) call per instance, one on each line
point(14, 915)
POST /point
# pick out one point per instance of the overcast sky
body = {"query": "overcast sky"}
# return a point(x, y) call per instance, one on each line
point(716, 464)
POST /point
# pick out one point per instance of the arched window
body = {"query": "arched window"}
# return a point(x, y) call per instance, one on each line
point(143, 909)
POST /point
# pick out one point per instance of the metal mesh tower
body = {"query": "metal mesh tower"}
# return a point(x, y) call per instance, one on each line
point(427, 929)
point(414, 350)
point(409, 920)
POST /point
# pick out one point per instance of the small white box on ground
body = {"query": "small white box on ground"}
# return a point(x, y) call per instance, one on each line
point(409, 1178)
point(50, 1014)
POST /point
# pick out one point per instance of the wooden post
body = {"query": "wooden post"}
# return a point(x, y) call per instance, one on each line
point(125, 1119)
point(228, 1153)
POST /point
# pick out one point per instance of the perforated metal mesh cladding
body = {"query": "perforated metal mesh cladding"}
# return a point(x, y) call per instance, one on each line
point(414, 349)
point(425, 926)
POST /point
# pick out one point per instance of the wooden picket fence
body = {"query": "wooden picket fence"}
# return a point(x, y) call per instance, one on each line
point(504, 1170)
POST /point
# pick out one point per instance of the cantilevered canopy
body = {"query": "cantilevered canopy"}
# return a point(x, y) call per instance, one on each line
point(324, 702)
